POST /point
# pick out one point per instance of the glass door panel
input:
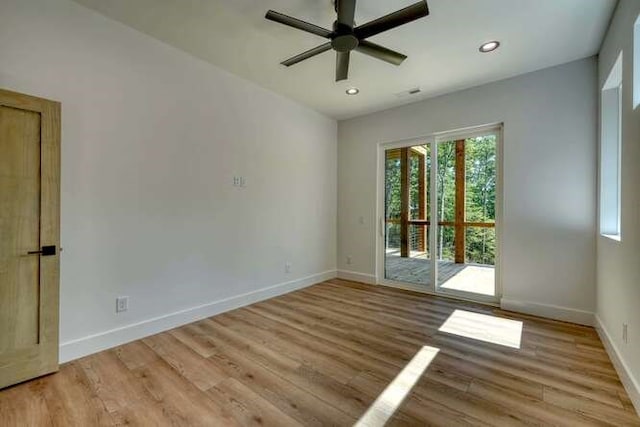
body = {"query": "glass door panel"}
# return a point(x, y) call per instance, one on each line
point(466, 197)
point(407, 213)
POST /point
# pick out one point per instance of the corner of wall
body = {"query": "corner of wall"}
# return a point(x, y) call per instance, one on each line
point(355, 276)
point(631, 384)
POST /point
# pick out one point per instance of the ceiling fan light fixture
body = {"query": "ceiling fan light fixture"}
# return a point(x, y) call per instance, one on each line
point(489, 46)
point(352, 91)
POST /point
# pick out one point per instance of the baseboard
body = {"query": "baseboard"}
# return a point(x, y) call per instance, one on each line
point(85, 346)
point(556, 312)
point(355, 276)
point(630, 384)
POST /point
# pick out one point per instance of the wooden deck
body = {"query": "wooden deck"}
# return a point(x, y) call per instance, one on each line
point(475, 278)
point(333, 354)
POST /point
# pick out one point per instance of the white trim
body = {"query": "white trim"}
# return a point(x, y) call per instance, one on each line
point(566, 314)
point(380, 212)
point(84, 346)
point(610, 221)
point(468, 132)
point(614, 79)
point(636, 63)
point(631, 384)
point(409, 142)
point(355, 276)
point(615, 237)
point(433, 227)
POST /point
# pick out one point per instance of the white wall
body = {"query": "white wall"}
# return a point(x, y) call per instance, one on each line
point(549, 118)
point(618, 280)
point(151, 140)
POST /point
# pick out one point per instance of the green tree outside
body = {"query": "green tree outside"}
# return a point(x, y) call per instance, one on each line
point(480, 198)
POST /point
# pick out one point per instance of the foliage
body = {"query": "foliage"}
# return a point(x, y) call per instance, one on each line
point(480, 197)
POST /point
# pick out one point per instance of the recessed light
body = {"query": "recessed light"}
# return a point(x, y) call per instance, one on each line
point(489, 46)
point(353, 91)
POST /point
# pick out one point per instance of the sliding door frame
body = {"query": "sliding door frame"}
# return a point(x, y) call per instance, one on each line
point(381, 214)
point(433, 140)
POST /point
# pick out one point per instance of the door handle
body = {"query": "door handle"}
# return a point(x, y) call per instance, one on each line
point(45, 251)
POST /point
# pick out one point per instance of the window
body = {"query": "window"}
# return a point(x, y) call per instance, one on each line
point(636, 63)
point(610, 152)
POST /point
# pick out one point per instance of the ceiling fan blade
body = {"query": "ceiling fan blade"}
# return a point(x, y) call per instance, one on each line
point(393, 20)
point(381, 52)
point(297, 23)
point(308, 54)
point(346, 11)
point(342, 66)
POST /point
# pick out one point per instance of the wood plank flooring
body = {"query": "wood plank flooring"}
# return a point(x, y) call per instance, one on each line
point(325, 355)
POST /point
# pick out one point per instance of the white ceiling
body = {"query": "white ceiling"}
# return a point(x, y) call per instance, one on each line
point(442, 48)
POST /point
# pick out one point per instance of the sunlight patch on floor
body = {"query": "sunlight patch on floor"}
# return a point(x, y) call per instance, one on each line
point(477, 279)
point(483, 327)
point(392, 397)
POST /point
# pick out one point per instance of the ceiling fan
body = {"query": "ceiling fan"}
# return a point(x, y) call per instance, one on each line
point(346, 37)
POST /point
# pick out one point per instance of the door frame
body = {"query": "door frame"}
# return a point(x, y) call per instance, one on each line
point(432, 140)
point(42, 358)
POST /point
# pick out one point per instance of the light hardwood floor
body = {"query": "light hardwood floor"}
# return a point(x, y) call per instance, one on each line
point(322, 356)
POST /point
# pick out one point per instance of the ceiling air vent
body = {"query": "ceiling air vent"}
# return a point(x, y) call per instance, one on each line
point(410, 92)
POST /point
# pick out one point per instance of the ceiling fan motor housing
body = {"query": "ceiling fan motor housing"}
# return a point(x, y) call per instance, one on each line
point(343, 39)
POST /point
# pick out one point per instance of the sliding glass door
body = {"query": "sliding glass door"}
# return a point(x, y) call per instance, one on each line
point(454, 181)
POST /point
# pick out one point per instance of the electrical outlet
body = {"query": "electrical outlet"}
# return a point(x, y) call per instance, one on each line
point(287, 267)
point(348, 260)
point(122, 304)
point(625, 333)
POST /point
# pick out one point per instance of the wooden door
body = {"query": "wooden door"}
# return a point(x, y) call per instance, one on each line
point(29, 236)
